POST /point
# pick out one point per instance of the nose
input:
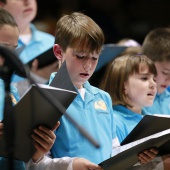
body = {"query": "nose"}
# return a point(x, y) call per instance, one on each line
point(153, 84)
point(87, 64)
point(26, 1)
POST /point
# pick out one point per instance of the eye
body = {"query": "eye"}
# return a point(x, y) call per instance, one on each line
point(165, 73)
point(154, 79)
point(144, 78)
point(94, 58)
point(80, 57)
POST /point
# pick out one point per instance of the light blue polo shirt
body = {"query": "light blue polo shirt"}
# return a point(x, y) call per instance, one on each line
point(40, 42)
point(14, 92)
point(95, 115)
point(125, 120)
point(161, 104)
point(168, 88)
point(18, 165)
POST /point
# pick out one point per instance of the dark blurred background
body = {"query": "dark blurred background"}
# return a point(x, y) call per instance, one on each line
point(118, 18)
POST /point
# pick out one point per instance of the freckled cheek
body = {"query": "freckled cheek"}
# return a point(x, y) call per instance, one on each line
point(94, 65)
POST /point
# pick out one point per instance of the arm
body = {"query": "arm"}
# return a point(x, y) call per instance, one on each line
point(44, 139)
point(147, 158)
point(64, 163)
point(44, 72)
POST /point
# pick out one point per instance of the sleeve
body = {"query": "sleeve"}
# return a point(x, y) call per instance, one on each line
point(46, 163)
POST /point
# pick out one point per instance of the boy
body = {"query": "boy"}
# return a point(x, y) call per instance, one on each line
point(156, 46)
point(43, 137)
point(9, 36)
point(79, 41)
point(33, 41)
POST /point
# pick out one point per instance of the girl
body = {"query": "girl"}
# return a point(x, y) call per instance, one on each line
point(129, 79)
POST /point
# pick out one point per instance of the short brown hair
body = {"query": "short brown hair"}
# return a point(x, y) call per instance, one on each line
point(156, 44)
point(79, 31)
point(6, 18)
point(118, 73)
point(4, 1)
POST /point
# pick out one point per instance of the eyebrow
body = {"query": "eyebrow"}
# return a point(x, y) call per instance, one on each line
point(145, 74)
point(167, 69)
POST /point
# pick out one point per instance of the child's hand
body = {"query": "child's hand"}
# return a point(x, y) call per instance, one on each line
point(83, 164)
point(44, 139)
point(147, 155)
point(1, 129)
point(46, 71)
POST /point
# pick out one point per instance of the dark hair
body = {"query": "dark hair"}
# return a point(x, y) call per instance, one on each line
point(79, 31)
point(4, 1)
point(6, 18)
point(156, 44)
point(119, 71)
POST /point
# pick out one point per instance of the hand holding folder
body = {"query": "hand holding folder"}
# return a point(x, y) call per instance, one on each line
point(151, 131)
point(34, 109)
point(44, 59)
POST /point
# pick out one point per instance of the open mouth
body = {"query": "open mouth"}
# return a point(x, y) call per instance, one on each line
point(163, 86)
point(150, 94)
point(84, 74)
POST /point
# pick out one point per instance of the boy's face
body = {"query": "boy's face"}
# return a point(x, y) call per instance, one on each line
point(163, 75)
point(80, 65)
point(23, 11)
point(9, 35)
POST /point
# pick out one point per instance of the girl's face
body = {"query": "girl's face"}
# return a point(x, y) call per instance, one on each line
point(140, 89)
point(80, 65)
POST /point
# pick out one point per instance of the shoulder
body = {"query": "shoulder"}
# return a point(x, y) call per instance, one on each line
point(45, 35)
point(98, 91)
point(41, 34)
point(103, 94)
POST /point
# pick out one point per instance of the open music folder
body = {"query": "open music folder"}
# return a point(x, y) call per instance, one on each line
point(44, 59)
point(151, 131)
point(34, 109)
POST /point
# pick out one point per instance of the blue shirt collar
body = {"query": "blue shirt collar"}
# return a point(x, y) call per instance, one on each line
point(164, 94)
point(127, 112)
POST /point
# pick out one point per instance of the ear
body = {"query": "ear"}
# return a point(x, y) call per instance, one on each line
point(1, 61)
point(125, 90)
point(57, 52)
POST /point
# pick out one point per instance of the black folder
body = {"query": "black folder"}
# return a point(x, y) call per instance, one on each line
point(108, 53)
point(44, 59)
point(150, 125)
point(34, 109)
point(128, 158)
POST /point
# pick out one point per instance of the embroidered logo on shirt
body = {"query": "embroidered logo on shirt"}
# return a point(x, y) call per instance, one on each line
point(13, 99)
point(100, 105)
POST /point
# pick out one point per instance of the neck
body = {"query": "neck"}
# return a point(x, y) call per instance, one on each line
point(135, 109)
point(25, 29)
